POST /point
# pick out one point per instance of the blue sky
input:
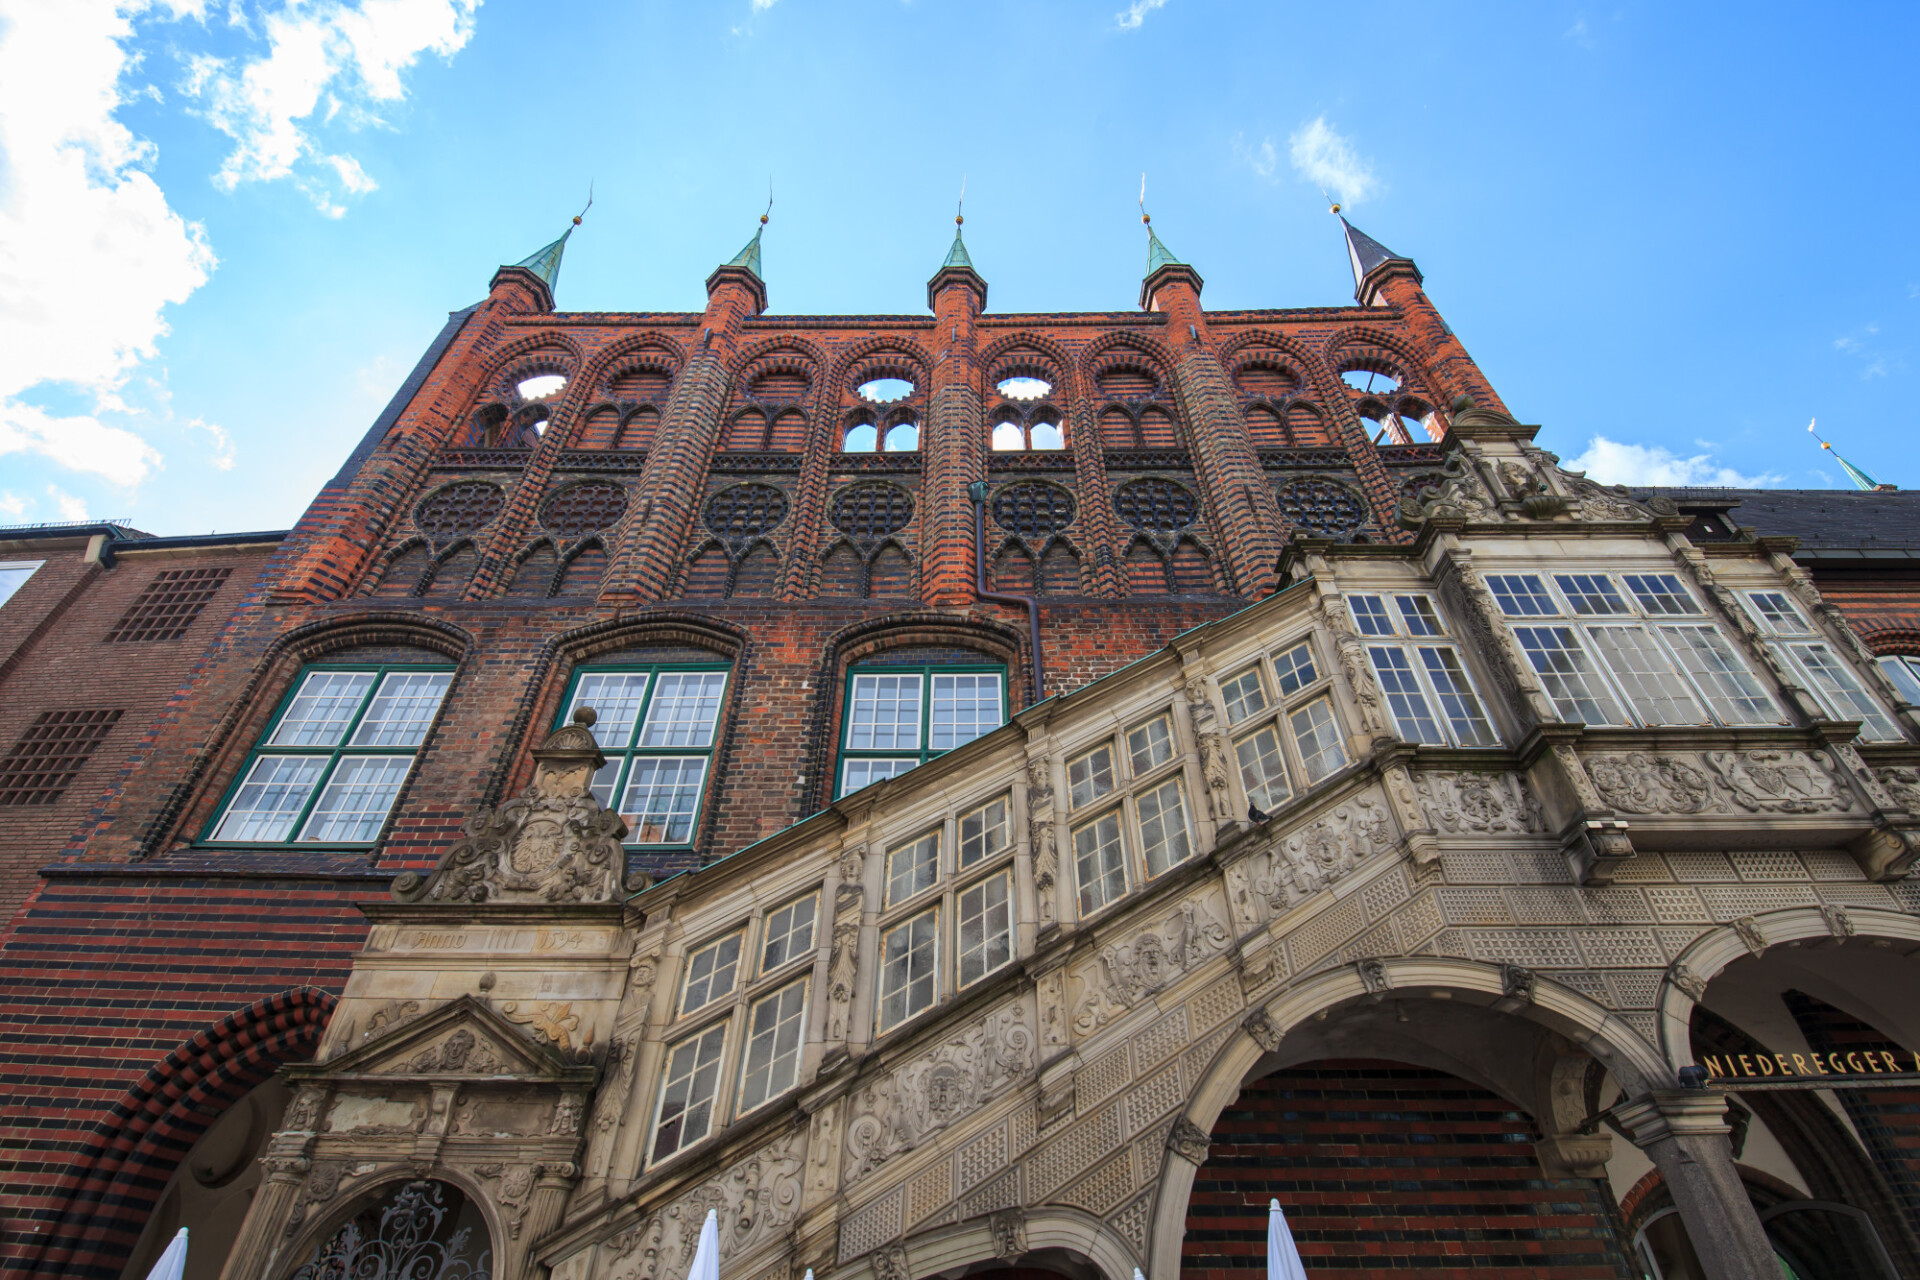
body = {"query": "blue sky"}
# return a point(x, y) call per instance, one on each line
point(227, 229)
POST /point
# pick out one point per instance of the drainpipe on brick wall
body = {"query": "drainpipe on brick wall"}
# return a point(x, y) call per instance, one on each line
point(978, 492)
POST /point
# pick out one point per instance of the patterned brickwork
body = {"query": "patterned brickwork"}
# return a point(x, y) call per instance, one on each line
point(1384, 1170)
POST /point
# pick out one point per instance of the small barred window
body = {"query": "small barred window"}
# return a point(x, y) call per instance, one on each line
point(169, 604)
point(871, 510)
point(51, 753)
point(584, 508)
point(460, 508)
point(1322, 507)
point(1159, 506)
point(1032, 509)
point(745, 510)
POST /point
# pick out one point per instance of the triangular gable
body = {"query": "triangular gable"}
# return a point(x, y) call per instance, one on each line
point(465, 1039)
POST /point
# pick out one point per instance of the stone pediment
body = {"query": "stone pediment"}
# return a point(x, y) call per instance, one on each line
point(463, 1040)
point(551, 843)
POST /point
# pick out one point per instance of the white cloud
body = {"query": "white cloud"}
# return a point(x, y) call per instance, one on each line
point(761, 6)
point(90, 251)
point(1611, 462)
point(221, 456)
point(1324, 158)
point(12, 505)
point(69, 507)
point(323, 61)
point(1260, 157)
point(1579, 34)
point(1136, 13)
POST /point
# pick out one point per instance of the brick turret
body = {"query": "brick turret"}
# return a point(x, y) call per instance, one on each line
point(953, 444)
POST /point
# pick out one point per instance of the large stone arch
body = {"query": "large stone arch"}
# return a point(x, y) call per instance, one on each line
point(1687, 978)
point(301, 1242)
point(1631, 1059)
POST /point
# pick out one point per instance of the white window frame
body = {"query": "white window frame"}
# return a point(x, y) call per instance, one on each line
point(9, 584)
point(1415, 627)
point(1793, 639)
point(1691, 695)
point(792, 1056)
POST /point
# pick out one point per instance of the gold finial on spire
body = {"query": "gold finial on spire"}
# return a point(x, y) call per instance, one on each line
point(769, 212)
point(1145, 217)
point(959, 207)
point(583, 212)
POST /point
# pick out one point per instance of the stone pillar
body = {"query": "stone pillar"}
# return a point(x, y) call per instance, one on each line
point(1244, 508)
point(667, 501)
point(952, 440)
point(265, 1227)
point(1684, 1131)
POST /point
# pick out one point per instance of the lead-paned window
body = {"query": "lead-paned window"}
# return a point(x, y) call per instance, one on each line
point(913, 868)
point(776, 1026)
point(1099, 862)
point(333, 759)
point(909, 959)
point(1428, 690)
point(1163, 827)
point(789, 933)
point(985, 832)
point(899, 717)
point(1243, 695)
point(656, 725)
point(1827, 674)
point(1090, 776)
point(1606, 667)
point(985, 912)
point(1317, 734)
point(1263, 769)
point(1294, 668)
point(1150, 745)
point(711, 972)
point(686, 1098)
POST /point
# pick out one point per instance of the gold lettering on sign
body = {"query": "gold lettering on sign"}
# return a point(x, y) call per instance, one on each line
point(428, 941)
point(1739, 1066)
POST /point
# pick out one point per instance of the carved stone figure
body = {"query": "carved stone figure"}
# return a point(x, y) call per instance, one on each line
point(551, 843)
point(303, 1112)
point(1189, 1141)
point(1213, 767)
point(1039, 782)
point(1265, 1031)
point(842, 969)
point(1518, 983)
point(890, 1263)
point(390, 1016)
point(933, 1090)
point(1774, 781)
point(1600, 502)
point(1641, 782)
point(1688, 981)
point(1150, 960)
point(1009, 1227)
point(1839, 923)
point(1749, 931)
point(1903, 784)
point(1764, 780)
point(1374, 976)
point(1046, 863)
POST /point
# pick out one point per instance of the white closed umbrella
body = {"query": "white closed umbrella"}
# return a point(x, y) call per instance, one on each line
point(173, 1263)
point(1283, 1258)
point(706, 1258)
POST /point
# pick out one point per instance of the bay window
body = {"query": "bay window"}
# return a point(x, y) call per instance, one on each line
point(1793, 638)
point(1428, 690)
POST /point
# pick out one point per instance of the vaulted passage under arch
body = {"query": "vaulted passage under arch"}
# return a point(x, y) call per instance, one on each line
point(1386, 1169)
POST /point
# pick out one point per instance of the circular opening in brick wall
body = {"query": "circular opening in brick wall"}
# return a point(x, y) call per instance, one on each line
point(1032, 509)
point(1022, 387)
point(1322, 507)
point(1159, 506)
point(745, 510)
point(459, 508)
point(871, 510)
point(584, 508)
point(885, 390)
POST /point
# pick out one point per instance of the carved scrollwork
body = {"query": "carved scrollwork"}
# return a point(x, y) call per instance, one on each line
point(1324, 852)
point(1189, 1141)
point(1265, 1031)
point(1748, 930)
point(1479, 803)
point(1150, 960)
point(1763, 780)
point(1688, 981)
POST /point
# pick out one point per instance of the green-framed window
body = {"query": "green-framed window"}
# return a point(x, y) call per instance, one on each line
point(657, 725)
point(899, 717)
point(334, 756)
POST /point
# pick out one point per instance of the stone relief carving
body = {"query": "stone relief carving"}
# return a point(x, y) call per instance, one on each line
point(1688, 981)
point(842, 970)
point(552, 1021)
point(1039, 781)
point(1265, 1031)
point(890, 1263)
point(1150, 960)
point(499, 1115)
point(551, 843)
point(900, 1111)
point(1764, 780)
point(460, 1052)
point(1903, 785)
point(1838, 922)
point(1748, 930)
point(303, 1112)
point(1046, 863)
point(1519, 983)
point(1323, 852)
point(1189, 1141)
point(754, 1201)
point(567, 1114)
point(390, 1016)
point(1213, 767)
point(1456, 495)
point(1009, 1227)
point(1050, 991)
point(1374, 976)
point(853, 870)
point(1479, 803)
point(1595, 501)
point(513, 1192)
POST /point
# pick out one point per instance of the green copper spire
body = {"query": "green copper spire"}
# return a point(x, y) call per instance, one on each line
point(749, 257)
point(545, 262)
point(1158, 255)
point(1861, 480)
point(957, 256)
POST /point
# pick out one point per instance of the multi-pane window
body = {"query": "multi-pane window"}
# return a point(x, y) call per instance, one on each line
point(1633, 649)
point(1263, 769)
point(332, 760)
point(912, 868)
point(1163, 827)
point(711, 973)
point(899, 717)
point(985, 914)
point(1244, 695)
point(1826, 673)
point(1150, 745)
point(985, 833)
point(776, 1025)
point(1428, 691)
point(1285, 731)
point(167, 606)
point(686, 1098)
point(789, 933)
point(656, 726)
point(1090, 775)
point(909, 957)
point(1317, 734)
point(1905, 674)
point(1294, 669)
point(1099, 862)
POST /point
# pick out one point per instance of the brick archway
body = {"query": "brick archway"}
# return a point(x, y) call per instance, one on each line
point(127, 1160)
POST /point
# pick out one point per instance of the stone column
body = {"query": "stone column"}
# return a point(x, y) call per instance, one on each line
point(1684, 1131)
point(265, 1226)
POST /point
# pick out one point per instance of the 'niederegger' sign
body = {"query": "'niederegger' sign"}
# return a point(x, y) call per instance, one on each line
point(1814, 1070)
